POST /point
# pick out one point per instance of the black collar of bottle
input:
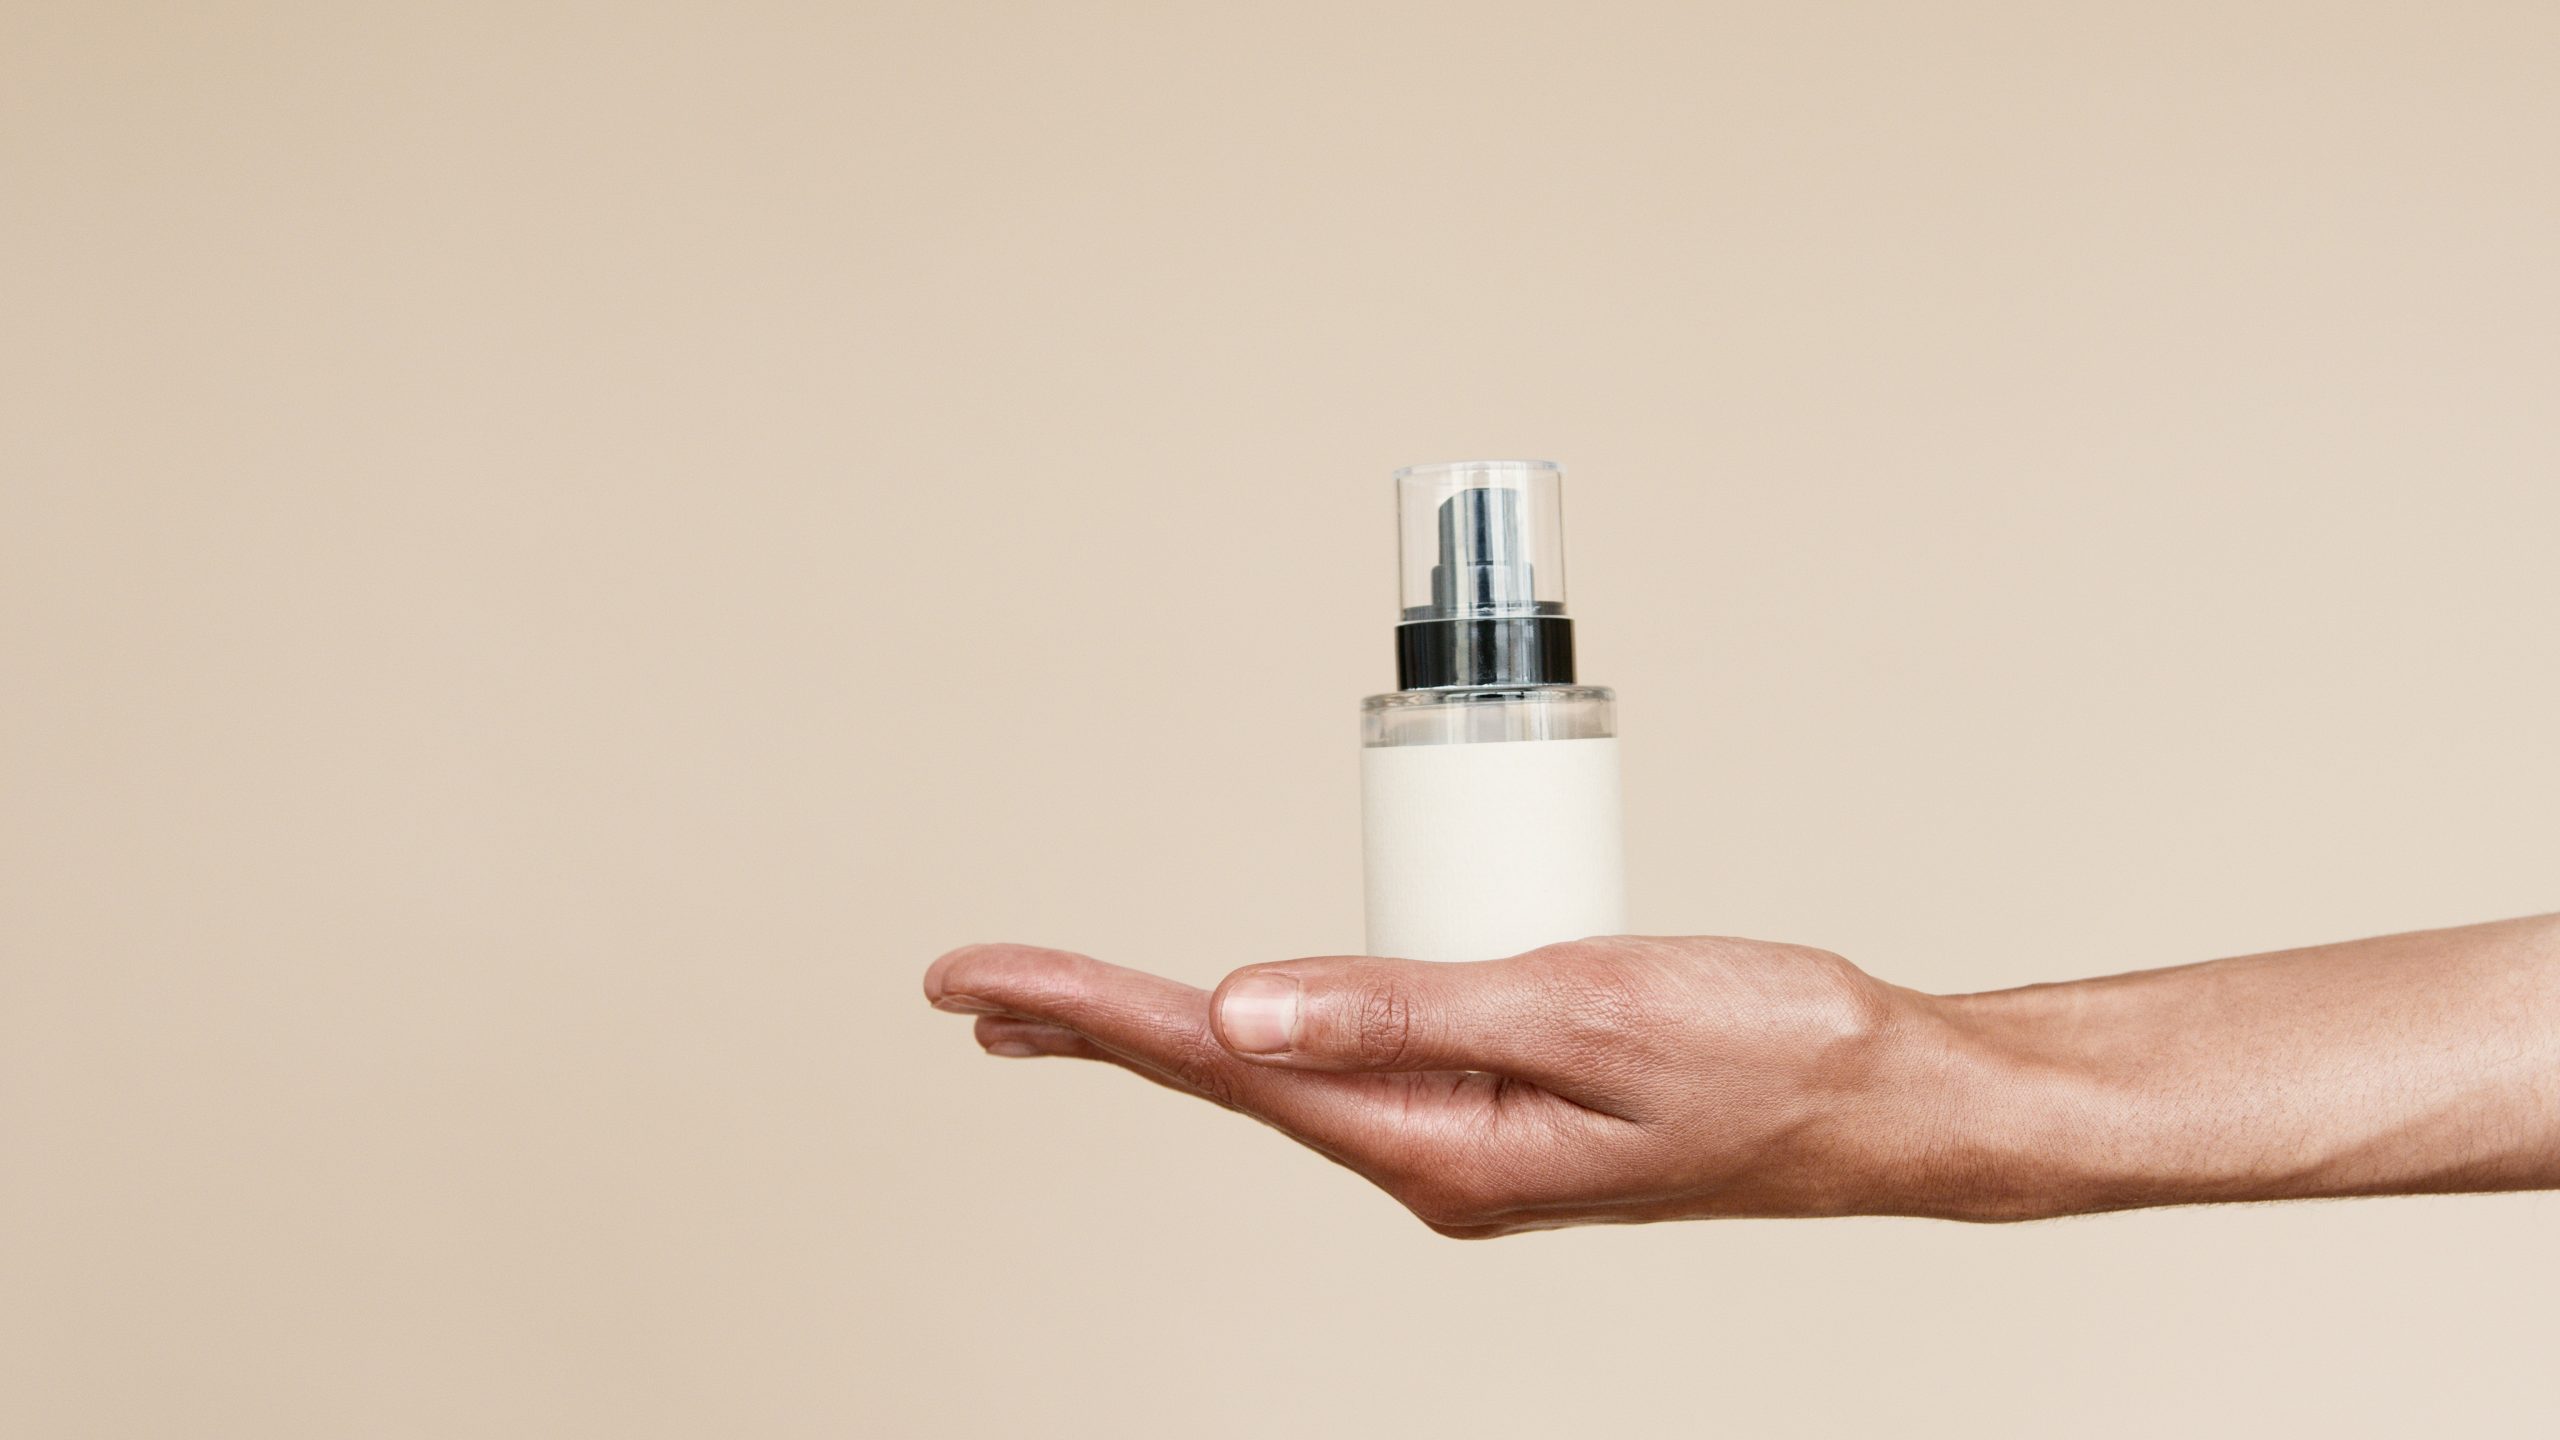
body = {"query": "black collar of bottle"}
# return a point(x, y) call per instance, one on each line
point(1490, 650)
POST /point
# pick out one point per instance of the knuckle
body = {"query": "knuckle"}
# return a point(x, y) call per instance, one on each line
point(1200, 1066)
point(1382, 1022)
point(1563, 957)
point(1606, 1007)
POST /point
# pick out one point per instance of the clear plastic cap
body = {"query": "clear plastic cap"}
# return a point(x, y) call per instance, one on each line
point(1481, 538)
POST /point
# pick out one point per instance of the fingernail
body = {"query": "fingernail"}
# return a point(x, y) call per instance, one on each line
point(1013, 1049)
point(1259, 1014)
point(967, 1005)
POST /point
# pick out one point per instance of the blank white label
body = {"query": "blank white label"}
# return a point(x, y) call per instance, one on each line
point(1479, 851)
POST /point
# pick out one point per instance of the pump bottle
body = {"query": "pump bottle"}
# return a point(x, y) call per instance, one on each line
point(1489, 779)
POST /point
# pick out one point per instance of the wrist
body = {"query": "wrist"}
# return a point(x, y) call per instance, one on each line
point(1994, 1116)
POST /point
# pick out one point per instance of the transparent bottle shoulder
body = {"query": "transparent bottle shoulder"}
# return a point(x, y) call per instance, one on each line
point(1468, 715)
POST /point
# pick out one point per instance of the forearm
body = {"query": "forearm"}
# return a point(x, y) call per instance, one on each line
point(2425, 1062)
point(1630, 1078)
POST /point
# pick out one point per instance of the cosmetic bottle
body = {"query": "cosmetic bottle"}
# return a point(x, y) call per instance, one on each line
point(1489, 779)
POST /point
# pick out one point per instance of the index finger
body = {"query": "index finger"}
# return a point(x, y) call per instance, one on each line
point(1164, 1024)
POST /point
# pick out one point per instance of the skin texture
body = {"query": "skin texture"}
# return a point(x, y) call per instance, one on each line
point(1629, 1078)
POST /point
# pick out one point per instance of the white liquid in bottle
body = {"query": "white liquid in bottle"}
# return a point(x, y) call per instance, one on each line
point(1489, 783)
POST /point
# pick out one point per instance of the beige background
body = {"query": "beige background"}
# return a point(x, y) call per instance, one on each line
point(553, 556)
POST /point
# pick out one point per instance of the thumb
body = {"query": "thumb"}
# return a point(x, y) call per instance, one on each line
point(1360, 1012)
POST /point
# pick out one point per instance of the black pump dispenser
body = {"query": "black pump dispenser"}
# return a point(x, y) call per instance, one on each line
point(1484, 624)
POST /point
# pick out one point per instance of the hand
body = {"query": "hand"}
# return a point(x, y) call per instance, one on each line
point(1620, 1079)
point(1628, 1079)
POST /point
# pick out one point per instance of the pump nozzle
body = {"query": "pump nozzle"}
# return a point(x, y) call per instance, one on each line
point(1483, 575)
point(1483, 569)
